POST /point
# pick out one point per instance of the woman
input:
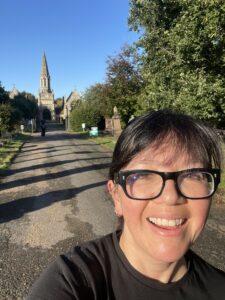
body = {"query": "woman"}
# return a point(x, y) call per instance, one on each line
point(164, 172)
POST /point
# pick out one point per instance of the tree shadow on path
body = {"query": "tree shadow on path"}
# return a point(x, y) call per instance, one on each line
point(18, 208)
point(49, 176)
point(49, 165)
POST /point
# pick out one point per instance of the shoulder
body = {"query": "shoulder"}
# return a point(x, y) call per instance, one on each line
point(88, 258)
point(96, 249)
point(205, 271)
point(80, 272)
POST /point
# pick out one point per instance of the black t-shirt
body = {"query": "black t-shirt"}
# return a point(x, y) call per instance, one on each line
point(99, 270)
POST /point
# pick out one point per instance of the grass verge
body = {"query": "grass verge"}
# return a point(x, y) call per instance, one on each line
point(9, 150)
point(104, 141)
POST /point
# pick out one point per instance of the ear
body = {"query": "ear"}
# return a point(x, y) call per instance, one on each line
point(113, 190)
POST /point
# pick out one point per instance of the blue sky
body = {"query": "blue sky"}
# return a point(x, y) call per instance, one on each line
point(76, 35)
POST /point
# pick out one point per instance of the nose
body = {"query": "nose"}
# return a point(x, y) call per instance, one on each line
point(170, 195)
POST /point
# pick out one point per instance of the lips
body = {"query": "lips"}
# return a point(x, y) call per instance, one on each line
point(169, 223)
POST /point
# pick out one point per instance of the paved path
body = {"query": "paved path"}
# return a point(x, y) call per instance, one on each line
point(53, 197)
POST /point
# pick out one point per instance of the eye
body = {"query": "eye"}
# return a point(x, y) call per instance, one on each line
point(197, 176)
point(143, 178)
point(134, 177)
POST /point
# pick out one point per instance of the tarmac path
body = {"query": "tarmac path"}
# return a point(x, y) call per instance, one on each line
point(54, 197)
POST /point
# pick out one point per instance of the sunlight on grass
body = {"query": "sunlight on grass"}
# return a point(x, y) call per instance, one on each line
point(9, 150)
point(105, 141)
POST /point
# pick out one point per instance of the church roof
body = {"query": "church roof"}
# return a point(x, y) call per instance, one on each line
point(73, 96)
point(14, 92)
point(44, 68)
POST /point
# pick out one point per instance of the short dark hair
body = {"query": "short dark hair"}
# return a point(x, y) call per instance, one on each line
point(158, 128)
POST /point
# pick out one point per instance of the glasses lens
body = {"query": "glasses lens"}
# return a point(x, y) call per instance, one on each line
point(144, 185)
point(196, 184)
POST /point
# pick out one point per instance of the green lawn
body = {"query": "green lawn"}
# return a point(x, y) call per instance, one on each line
point(10, 149)
point(105, 141)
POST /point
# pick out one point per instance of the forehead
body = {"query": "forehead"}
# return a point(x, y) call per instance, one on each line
point(164, 155)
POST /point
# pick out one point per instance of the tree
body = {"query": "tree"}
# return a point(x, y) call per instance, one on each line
point(5, 117)
point(183, 55)
point(122, 85)
point(58, 105)
point(4, 97)
point(87, 114)
point(124, 80)
point(98, 97)
point(26, 104)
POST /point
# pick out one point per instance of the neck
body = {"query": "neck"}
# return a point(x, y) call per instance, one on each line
point(164, 272)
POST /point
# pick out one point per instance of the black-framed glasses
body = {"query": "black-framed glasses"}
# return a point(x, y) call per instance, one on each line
point(195, 183)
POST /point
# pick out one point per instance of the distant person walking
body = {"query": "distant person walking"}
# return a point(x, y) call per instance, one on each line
point(43, 127)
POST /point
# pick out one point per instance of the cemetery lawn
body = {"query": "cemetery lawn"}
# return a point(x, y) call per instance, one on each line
point(10, 148)
point(105, 141)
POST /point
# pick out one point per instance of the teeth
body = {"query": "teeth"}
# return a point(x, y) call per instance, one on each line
point(166, 222)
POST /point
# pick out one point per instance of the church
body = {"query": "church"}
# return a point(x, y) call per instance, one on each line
point(46, 103)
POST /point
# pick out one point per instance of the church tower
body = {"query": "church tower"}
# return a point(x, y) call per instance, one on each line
point(46, 102)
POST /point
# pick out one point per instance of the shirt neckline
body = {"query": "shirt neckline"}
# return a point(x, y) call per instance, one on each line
point(144, 279)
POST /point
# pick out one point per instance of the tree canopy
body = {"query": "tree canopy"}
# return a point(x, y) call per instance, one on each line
point(123, 83)
point(14, 111)
point(5, 117)
point(178, 62)
point(4, 96)
point(26, 104)
point(183, 55)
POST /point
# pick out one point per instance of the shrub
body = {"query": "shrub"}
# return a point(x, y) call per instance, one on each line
point(85, 114)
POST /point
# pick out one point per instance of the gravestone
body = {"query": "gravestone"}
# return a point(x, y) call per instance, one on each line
point(116, 122)
point(108, 125)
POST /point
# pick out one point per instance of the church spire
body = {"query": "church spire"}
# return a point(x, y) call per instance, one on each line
point(44, 69)
point(45, 77)
point(46, 104)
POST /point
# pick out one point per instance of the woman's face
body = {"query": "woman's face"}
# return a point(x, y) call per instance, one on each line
point(152, 229)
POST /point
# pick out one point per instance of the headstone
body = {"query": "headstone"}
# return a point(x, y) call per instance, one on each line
point(116, 122)
point(108, 125)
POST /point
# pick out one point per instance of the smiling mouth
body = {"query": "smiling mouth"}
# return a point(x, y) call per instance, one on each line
point(174, 223)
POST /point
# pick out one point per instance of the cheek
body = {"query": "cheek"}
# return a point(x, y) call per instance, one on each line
point(132, 210)
point(199, 210)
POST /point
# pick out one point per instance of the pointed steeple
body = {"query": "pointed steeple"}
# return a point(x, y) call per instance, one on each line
point(44, 68)
point(45, 77)
point(14, 92)
point(46, 95)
